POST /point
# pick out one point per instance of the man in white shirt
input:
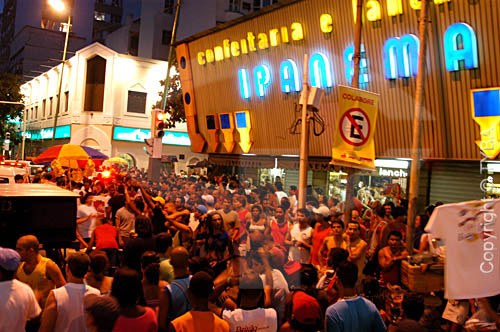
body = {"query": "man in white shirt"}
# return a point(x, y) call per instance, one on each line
point(251, 315)
point(64, 308)
point(17, 300)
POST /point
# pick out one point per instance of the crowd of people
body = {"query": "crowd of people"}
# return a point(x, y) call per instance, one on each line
point(192, 253)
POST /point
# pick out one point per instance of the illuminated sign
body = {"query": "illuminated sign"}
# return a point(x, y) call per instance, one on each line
point(456, 51)
point(321, 75)
point(401, 56)
point(349, 65)
point(227, 128)
point(244, 128)
point(213, 131)
point(244, 83)
point(139, 135)
point(373, 8)
point(289, 76)
point(263, 40)
point(61, 132)
point(262, 79)
point(392, 173)
point(486, 113)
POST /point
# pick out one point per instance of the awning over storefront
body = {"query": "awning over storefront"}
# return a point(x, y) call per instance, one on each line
point(242, 161)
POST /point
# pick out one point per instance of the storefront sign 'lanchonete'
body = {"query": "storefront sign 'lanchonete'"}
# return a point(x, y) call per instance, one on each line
point(400, 53)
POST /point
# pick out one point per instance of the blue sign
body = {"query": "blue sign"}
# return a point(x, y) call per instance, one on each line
point(262, 79)
point(139, 135)
point(320, 69)
point(61, 132)
point(401, 56)
point(244, 83)
point(456, 50)
point(241, 120)
point(225, 122)
point(289, 76)
point(349, 65)
point(486, 102)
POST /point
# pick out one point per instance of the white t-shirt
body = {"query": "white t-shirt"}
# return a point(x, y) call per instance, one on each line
point(100, 203)
point(262, 320)
point(300, 254)
point(470, 231)
point(280, 195)
point(280, 291)
point(17, 305)
point(87, 227)
point(69, 301)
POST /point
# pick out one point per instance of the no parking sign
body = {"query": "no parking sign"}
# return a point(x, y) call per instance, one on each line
point(353, 141)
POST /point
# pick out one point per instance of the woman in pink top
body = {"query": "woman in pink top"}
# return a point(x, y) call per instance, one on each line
point(127, 289)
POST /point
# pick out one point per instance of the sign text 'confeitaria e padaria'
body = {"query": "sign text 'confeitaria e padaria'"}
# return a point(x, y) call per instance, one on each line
point(400, 53)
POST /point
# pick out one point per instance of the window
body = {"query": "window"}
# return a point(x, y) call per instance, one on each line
point(116, 19)
point(136, 102)
point(36, 112)
point(166, 37)
point(234, 5)
point(44, 104)
point(258, 4)
point(94, 85)
point(98, 16)
point(246, 6)
point(66, 101)
point(169, 6)
point(50, 106)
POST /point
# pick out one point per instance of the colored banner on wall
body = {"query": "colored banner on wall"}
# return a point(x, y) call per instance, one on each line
point(353, 143)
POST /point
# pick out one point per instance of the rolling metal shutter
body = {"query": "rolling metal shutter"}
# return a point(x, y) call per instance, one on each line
point(455, 181)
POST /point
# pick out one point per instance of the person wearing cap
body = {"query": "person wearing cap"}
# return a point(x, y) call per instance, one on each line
point(251, 315)
point(39, 272)
point(194, 219)
point(200, 318)
point(64, 308)
point(17, 300)
point(321, 231)
point(304, 313)
point(352, 313)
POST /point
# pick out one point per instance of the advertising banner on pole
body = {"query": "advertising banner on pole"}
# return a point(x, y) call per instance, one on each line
point(353, 143)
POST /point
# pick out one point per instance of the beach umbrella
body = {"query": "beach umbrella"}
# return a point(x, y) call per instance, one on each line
point(70, 155)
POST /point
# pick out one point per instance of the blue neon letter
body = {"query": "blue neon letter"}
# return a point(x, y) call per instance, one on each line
point(349, 65)
point(262, 79)
point(289, 76)
point(467, 53)
point(319, 67)
point(244, 83)
point(401, 56)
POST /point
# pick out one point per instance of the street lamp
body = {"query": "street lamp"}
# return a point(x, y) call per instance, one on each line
point(59, 6)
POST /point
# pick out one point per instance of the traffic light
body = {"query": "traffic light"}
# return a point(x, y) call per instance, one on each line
point(157, 123)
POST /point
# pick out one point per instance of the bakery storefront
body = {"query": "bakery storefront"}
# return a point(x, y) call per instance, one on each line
point(242, 81)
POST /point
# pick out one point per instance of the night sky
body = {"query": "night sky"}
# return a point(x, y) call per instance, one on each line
point(129, 7)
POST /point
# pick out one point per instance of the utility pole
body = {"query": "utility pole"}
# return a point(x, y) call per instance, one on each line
point(61, 78)
point(304, 138)
point(171, 54)
point(416, 152)
point(349, 189)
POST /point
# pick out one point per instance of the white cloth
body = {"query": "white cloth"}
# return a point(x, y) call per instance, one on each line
point(87, 227)
point(297, 253)
point(261, 320)
point(17, 305)
point(69, 300)
point(470, 231)
point(100, 204)
point(280, 291)
point(280, 195)
point(193, 222)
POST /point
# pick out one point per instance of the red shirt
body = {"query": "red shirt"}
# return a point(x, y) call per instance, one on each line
point(105, 237)
point(145, 323)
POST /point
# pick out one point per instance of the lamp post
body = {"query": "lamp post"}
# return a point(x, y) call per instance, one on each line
point(58, 5)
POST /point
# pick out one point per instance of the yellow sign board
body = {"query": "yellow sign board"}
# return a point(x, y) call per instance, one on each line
point(353, 143)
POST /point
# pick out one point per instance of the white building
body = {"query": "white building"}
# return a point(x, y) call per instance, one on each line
point(106, 102)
